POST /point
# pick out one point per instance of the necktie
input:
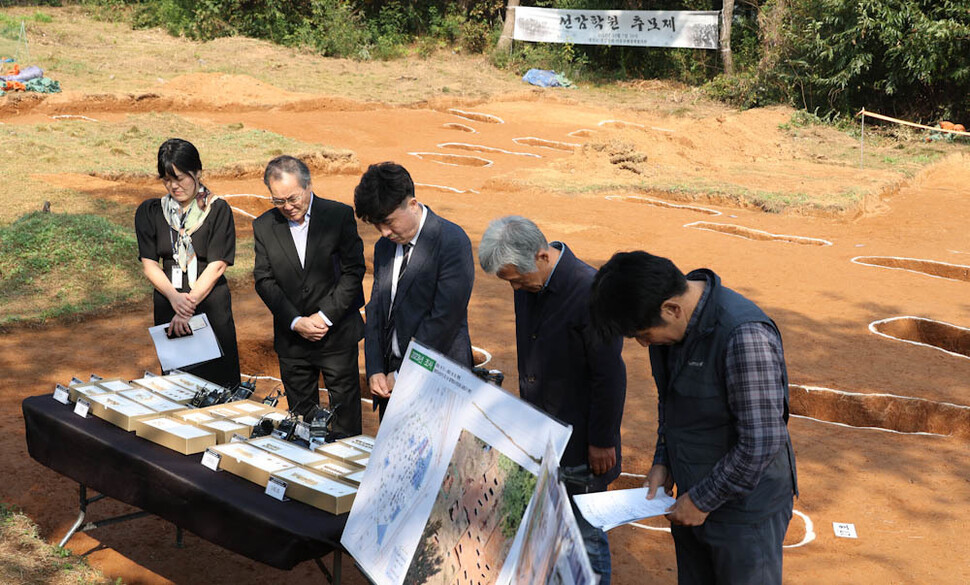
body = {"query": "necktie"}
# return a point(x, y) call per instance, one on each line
point(404, 260)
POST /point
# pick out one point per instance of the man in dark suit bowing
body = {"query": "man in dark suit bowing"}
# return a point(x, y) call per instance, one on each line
point(565, 369)
point(308, 270)
point(423, 276)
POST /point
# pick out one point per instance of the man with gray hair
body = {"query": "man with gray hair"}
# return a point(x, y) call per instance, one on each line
point(308, 270)
point(565, 369)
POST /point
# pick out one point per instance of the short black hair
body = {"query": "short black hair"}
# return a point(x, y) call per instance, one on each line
point(289, 165)
point(629, 290)
point(176, 153)
point(383, 188)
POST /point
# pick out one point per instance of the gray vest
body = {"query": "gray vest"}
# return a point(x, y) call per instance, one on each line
point(698, 426)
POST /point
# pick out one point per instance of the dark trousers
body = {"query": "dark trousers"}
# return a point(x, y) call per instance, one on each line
point(301, 380)
point(722, 553)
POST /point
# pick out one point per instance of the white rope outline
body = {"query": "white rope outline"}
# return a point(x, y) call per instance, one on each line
point(775, 237)
point(421, 156)
point(483, 148)
point(547, 143)
point(809, 530)
point(462, 127)
point(624, 123)
point(662, 203)
point(857, 260)
point(872, 329)
point(476, 116)
point(446, 188)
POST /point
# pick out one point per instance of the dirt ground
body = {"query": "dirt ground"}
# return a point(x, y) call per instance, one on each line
point(907, 493)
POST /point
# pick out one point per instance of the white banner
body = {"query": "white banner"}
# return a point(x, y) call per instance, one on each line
point(632, 28)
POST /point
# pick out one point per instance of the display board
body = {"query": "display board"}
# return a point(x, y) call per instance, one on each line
point(452, 451)
point(636, 28)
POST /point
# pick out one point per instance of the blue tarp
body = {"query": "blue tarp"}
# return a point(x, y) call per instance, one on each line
point(546, 78)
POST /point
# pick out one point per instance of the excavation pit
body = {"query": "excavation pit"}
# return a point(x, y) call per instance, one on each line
point(661, 203)
point(483, 148)
point(927, 267)
point(460, 127)
point(476, 116)
point(753, 234)
point(945, 337)
point(888, 412)
point(445, 188)
point(455, 160)
point(543, 143)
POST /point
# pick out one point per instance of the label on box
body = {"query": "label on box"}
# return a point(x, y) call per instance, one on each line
point(317, 482)
point(75, 381)
point(237, 438)
point(82, 407)
point(275, 416)
point(224, 425)
point(211, 459)
point(116, 386)
point(196, 417)
point(61, 394)
point(276, 488)
point(361, 442)
point(340, 450)
point(95, 378)
point(287, 450)
point(303, 431)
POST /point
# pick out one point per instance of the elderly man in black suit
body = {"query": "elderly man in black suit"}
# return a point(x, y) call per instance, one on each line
point(423, 276)
point(565, 369)
point(308, 270)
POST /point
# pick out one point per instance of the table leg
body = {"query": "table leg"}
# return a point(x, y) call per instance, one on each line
point(83, 502)
point(82, 510)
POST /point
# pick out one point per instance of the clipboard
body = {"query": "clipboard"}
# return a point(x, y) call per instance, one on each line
point(180, 352)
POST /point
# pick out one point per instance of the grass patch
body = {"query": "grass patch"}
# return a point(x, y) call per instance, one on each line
point(26, 559)
point(121, 148)
point(54, 265)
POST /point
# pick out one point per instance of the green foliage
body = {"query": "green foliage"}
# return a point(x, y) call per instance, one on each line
point(902, 57)
point(519, 486)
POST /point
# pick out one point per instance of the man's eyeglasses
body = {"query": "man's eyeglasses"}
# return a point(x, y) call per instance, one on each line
point(291, 200)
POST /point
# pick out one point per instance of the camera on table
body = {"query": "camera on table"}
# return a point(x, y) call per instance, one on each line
point(212, 395)
point(495, 377)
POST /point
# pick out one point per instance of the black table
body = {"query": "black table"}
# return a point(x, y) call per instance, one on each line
point(217, 506)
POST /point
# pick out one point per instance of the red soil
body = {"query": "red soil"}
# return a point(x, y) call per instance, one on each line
point(907, 494)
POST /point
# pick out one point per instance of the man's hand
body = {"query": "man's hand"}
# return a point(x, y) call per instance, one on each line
point(658, 477)
point(380, 385)
point(685, 513)
point(601, 459)
point(183, 304)
point(179, 326)
point(311, 328)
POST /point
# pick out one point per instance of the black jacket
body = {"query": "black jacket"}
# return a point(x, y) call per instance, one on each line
point(329, 282)
point(431, 303)
point(564, 370)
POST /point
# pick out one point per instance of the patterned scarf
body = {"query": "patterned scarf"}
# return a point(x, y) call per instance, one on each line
point(186, 224)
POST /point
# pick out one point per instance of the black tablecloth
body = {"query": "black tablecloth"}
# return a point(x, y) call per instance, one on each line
point(218, 506)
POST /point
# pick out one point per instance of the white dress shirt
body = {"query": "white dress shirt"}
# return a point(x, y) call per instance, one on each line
point(398, 259)
point(299, 233)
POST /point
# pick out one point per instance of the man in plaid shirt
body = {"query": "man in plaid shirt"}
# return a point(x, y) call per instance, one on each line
point(722, 436)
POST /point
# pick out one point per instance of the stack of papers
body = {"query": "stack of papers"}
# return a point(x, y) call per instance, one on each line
point(607, 510)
